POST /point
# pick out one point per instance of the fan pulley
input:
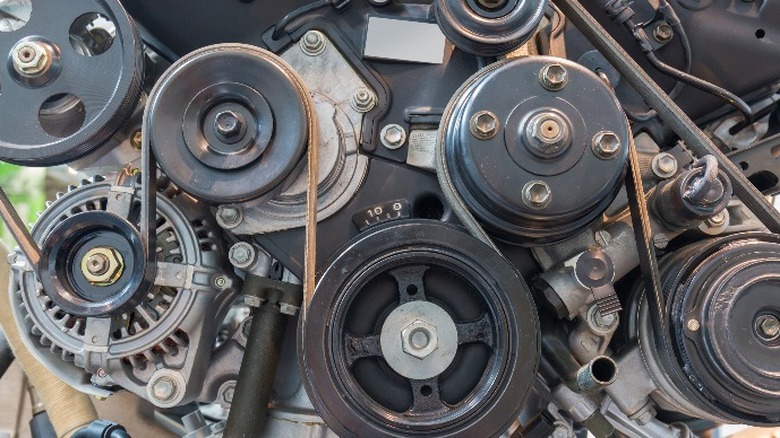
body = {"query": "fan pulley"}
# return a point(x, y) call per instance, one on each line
point(229, 123)
point(73, 77)
point(419, 329)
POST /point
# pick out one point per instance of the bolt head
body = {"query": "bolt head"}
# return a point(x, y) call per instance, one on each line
point(31, 58)
point(313, 43)
point(228, 124)
point(547, 134)
point(693, 325)
point(229, 216)
point(768, 327)
point(220, 282)
point(664, 165)
point(663, 33)
point(537, 194)
point(393, 136)
point(136, 140)
point(164, 388)
point(484, 125)
point(606, 145)
point(419, 339)
point(554, 77)
point(242, 255)
point(363, 100)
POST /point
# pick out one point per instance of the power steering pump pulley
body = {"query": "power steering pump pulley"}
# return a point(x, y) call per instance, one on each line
point(229, 123)
point(419, 329)
point(73, 77)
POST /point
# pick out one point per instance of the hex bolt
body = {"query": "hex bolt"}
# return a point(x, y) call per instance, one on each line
point(220, 282)
point(419, 339)
point(229, 216)
point(664, 165)
point(136, 140)
point(554, 77)
point(363, 101)
point(393, 136)
point(663, 33)
point(228, 124)
point(163, 389)
point(242, 255)
point(693, 325)
point(547, 134)
point(606, 145)
point(537, 194)
point(484, 125)
point(31, 58)
point(313, 43)
point(768, 327)
point(228, 391)
point(97, 264)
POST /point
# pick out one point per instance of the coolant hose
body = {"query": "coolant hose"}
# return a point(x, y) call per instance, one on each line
point(68, 409)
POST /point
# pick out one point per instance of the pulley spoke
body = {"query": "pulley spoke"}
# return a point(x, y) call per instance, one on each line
point(480, 330)
point(411, 286)
point(358, 347)
point(427, 398)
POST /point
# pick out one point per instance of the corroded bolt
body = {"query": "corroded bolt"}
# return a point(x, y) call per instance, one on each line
point(768, 327)
point(102, 266)
point(163, 389)
point(419, 339)
point(31, 58)
point(606, 145)
point(393, 136)
point(484, 125)
point(228, 124)
point(663, 33)
point(313, 43)
point(537, 194)
point(363, 100)
point(554, 76)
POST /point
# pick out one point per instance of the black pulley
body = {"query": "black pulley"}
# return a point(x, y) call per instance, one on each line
point(418, 329)
point(73, 77)
point(723, 319)
point(536, 147)
point(229, 123)
point(489, 27)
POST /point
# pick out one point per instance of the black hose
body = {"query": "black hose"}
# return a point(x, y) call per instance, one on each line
point(303, 10)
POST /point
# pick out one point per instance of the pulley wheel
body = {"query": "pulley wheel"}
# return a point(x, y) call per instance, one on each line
point(229, 123)
point(418, 329)
point(72, 78)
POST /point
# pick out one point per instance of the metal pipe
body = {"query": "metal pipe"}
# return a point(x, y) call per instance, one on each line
point(20, 232)
point(667, 110)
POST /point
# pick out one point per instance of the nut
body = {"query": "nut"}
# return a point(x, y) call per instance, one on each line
point(419, 339)
point(537, 194)
point(554, 77)
point(393, 136)
point(313, 43)
point(484, 125)
point(547, 135)
point(663, 33)
point(363, 100)
point(606, 145)
point(102, 266)
point(664, 165)
point(31, 58)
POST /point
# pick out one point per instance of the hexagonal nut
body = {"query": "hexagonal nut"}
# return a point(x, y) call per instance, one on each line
point(111, 274)
point(484, 125)
point(419, 339)
point(30, 58)
point(606, 145)
point(553, 76)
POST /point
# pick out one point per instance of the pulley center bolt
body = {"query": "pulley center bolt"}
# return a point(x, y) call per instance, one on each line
point(229, 125)
point(537, 194)
point(768, 327)
point(313, 43)
point(547, 135)
point(484, 125)
point(419, 339)
point(554, 77)
point(31, 58)
point(102, 266)
point(606, 145)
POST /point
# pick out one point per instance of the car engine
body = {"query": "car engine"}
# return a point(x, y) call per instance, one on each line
point(440, 218)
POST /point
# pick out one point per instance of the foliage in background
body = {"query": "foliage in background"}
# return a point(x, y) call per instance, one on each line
point(26, 189)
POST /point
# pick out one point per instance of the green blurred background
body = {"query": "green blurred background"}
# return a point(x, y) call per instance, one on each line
point(26, 187)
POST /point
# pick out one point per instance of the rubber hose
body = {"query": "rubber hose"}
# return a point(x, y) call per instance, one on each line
point(68, 409)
